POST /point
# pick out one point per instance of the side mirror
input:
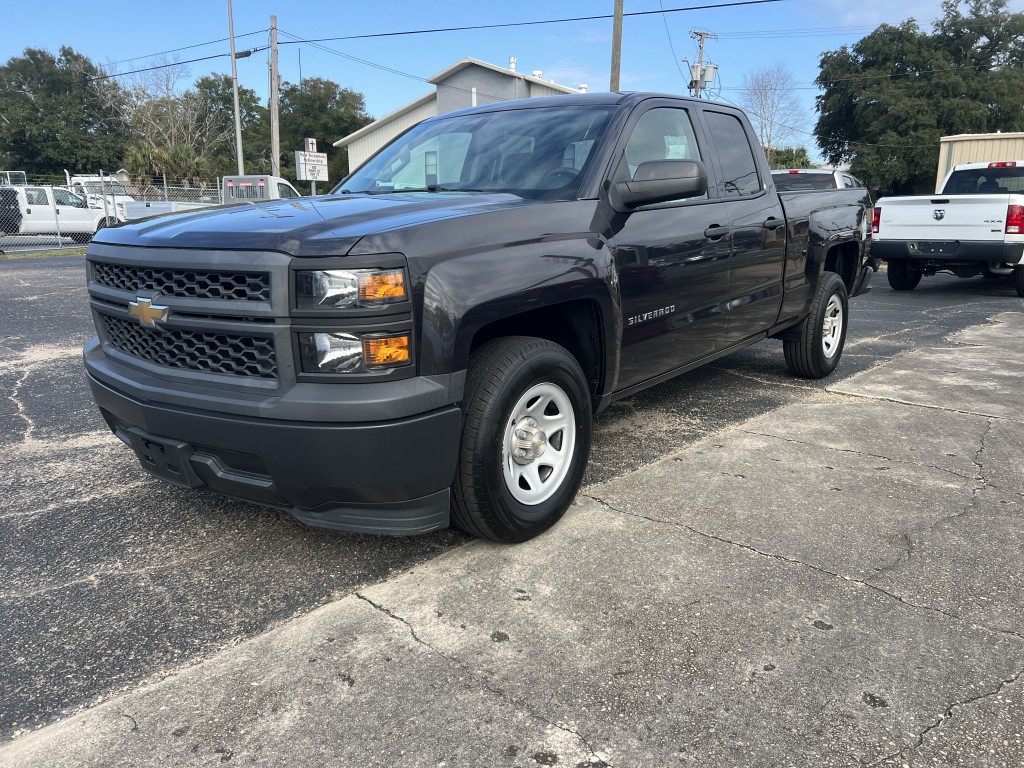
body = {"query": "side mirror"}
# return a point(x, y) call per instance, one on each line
point(658, 182)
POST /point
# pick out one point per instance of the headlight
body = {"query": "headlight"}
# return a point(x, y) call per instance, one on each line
point(349, 288)
point(350, 353)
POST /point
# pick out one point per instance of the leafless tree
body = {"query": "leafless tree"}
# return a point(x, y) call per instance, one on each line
point(175, 128)
point(769, 96)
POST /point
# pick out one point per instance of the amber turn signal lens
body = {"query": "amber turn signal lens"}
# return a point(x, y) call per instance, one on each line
point(393, 350)
point(382, 286)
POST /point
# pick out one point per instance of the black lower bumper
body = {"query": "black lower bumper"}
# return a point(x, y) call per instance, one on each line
point(948, 253)
point(379, 477)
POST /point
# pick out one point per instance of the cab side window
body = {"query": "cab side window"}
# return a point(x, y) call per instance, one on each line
point(735, 156)
point(662, 133)
point(285, 192)
point(36, 197)
point(63, 197)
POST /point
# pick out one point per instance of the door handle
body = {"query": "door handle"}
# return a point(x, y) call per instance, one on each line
point(716, 232)
point(773, 223)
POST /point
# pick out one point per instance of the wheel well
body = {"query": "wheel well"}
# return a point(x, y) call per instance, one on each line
point(843, 260)
point(575, 325)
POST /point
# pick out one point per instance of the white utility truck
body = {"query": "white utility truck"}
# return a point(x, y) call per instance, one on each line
point(974, 225)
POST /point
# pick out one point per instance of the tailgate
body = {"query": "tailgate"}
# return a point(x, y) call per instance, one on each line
point(975, 218)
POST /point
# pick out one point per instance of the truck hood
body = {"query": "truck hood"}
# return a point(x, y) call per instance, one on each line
point(310, 227)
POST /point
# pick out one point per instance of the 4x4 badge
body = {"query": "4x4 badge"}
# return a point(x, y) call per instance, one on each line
point(149, 314)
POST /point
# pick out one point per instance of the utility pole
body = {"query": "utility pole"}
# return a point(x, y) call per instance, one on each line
point(234, 83)
point(701, 75)
point(616, 46)
point(275, 83)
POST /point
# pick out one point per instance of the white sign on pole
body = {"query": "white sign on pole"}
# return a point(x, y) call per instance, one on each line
point(311, 166)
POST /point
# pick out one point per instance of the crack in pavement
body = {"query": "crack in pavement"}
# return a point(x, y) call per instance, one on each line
point(779, 383)
point(981, 482)
point(598, 760)
point(863, 454)
point(816, 568)
point(946, 714)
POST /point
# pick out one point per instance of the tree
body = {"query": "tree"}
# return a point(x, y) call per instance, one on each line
point(216, 91)
point(320, 109)
point(889, 98)
point(790, 157)
point(769, 99)
point(56, 112)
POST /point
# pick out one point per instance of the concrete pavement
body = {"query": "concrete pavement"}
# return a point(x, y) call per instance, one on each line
point(837, 582)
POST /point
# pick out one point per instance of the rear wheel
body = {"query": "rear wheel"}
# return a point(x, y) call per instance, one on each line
point(903, 275)
point(816, 352)
point(1018, 280)
point(525, 441)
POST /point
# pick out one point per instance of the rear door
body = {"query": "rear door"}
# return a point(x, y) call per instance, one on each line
point(757, 263)
point(672, 258)
point(38, 216)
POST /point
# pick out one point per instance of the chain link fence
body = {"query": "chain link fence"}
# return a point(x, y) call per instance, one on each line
point(39, 214)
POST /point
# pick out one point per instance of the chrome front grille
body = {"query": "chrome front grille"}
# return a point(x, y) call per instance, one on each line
point(193, 284)
point(229, 353)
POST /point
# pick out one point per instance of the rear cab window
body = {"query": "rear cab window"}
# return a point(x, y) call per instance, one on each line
point(739, 174)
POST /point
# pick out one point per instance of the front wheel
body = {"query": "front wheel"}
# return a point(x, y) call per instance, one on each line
point(903, 275)
point(1018, 280)
point(525, 441)
point(816, 352)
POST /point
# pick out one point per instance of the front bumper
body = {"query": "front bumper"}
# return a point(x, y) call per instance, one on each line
point(377, 477)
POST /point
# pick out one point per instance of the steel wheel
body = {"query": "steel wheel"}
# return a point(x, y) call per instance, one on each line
point(832, 327)
point(539, 443)
point(525, 438)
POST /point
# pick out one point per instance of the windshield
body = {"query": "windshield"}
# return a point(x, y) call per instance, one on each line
point(537, 153)
point(985, 181)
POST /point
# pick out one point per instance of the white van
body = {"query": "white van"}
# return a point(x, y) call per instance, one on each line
point(56, 211)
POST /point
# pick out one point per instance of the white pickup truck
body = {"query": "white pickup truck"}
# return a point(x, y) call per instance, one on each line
point(973, 226)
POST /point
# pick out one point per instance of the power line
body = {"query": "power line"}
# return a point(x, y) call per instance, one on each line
point(240, 54)
point(710, 6)
point(184, 48)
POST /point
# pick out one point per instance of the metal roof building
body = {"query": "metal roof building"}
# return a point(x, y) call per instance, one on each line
point(467, 83)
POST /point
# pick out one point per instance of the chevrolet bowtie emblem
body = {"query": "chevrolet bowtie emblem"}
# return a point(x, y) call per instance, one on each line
point(149, 314)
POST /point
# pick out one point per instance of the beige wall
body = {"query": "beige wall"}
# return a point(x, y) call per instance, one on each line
point(361, 149)
point(977, 148)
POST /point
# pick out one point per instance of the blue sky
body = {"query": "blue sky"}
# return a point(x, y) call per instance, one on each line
point(390, 71)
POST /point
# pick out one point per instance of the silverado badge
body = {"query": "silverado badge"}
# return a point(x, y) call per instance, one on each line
point(149, 314)
point(939, 214)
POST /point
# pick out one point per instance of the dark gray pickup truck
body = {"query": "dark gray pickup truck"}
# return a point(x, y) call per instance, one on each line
point(431, 341)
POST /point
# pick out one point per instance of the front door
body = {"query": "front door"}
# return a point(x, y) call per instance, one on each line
point(672, 258)
point(73, 212)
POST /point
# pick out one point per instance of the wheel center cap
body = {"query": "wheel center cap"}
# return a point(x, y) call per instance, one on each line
point(527, 441)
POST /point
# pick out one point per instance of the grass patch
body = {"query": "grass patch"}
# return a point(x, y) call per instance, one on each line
point(77, 251)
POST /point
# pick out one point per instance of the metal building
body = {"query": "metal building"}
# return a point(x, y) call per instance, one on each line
point(467, 83)
point(977, 148)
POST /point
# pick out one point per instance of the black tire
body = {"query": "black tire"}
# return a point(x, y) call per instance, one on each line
point(495, 495)
point(903, 275)
point(1018, 280)
point(816, 352)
